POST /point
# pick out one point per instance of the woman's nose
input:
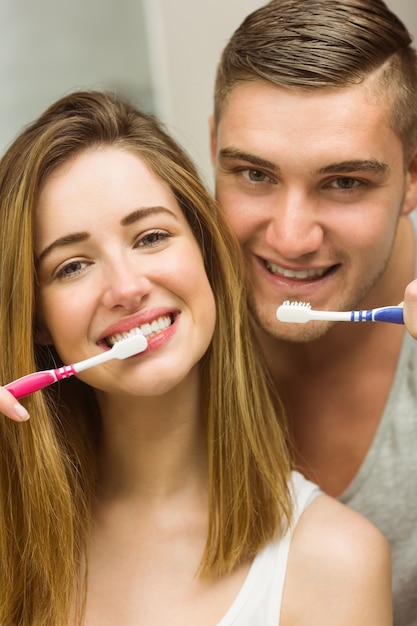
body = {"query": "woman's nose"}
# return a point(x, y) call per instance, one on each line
point(124, 285)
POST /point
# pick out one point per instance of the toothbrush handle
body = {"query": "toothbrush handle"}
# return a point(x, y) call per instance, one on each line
point(30, 383)
point(393, 314)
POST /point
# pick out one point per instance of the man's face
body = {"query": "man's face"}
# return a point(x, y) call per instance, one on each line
point(313, 183)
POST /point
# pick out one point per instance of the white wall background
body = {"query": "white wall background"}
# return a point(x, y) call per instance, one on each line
point(50, 47)
point(161, 53)
point(187, 39)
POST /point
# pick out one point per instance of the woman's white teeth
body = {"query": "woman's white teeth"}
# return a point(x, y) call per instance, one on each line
point(156, 326)
point(301, 275)
point(147, 330)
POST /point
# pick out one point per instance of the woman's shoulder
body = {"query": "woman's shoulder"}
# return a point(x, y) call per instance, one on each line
point(339, 528)
point(339, 565)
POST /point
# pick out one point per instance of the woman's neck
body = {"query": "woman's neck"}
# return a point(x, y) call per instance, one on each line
point(152, 448)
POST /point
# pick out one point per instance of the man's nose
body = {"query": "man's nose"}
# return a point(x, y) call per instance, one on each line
point(294, 229)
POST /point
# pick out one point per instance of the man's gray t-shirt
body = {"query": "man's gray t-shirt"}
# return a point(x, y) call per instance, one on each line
point(385, 488)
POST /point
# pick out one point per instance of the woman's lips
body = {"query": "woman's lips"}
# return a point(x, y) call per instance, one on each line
point(148, 329)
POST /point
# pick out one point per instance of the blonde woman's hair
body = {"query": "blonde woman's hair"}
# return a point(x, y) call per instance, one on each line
point(47, 465)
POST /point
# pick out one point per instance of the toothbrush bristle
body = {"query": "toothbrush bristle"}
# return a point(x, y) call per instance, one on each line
point(297, 312)
point(129, 346)
point(297, 304)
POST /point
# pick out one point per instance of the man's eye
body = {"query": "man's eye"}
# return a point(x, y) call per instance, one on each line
point(345, 183)
point(255, 176)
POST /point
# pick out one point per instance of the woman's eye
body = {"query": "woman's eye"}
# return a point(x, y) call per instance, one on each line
point(153, 238)
point(70, 269)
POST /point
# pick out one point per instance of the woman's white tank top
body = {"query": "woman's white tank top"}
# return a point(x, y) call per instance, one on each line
point(258, 602)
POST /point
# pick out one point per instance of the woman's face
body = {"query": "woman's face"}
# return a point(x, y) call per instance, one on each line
point(116, 253)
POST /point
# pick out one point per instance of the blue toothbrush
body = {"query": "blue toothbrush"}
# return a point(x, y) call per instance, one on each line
point(301, 312)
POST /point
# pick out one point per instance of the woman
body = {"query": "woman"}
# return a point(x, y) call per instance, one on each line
point(157, 489)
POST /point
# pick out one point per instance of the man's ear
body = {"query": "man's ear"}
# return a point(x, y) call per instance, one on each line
point(213, 140)
point(410, 198)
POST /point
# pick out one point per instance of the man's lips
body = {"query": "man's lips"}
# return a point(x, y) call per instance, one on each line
point(307, 274)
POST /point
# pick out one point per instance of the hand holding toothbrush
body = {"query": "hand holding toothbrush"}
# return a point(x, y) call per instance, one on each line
point(410, 308)
point(39, 380)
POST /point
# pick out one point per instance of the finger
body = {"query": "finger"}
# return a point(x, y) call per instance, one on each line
point(410, 308)
point(11, 408)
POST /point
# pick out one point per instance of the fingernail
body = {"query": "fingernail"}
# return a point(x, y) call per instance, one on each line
point(21, 412)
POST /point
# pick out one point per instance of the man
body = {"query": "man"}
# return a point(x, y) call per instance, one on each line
point(314, 141)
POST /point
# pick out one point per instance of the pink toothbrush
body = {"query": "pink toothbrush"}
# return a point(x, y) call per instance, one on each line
point(30, 383)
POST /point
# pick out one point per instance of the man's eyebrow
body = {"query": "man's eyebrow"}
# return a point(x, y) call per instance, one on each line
point(129, 219)
point(354, 165)
point(357, 165)
point(232, 153)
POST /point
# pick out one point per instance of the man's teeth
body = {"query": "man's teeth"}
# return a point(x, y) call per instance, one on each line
point(301, 275)
point(148, 330)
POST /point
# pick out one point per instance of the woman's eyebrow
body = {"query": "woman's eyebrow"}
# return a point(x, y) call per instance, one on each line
point(129, 219)
point(66, 240)
point(138, 214)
